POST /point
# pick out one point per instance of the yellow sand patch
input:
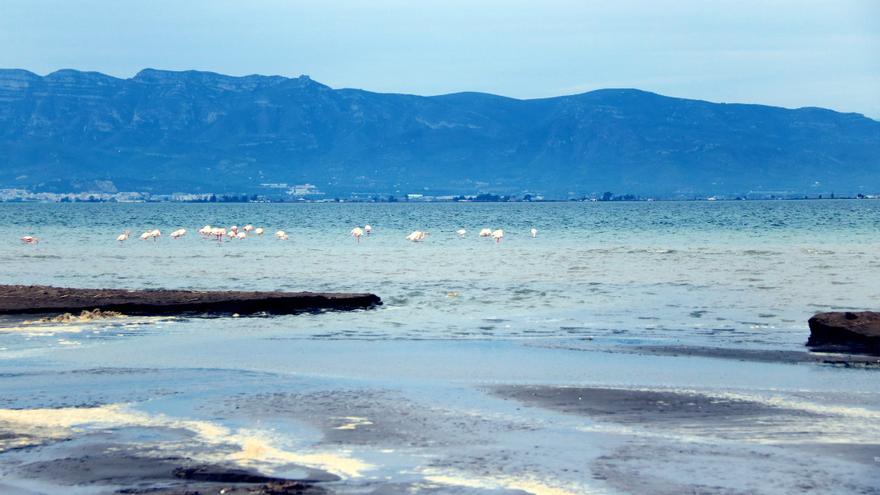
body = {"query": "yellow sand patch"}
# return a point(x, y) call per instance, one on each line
point(50, 326)
point(255, 447)
point(84, 316)
point(527, 484)
point(353, 422)
point(256, 450)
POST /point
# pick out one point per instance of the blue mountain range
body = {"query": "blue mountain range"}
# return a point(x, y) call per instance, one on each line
point(164, 131)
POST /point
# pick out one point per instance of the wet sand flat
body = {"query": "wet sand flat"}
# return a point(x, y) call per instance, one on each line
point(638, 406)
point(372, 434)
point(689, 442)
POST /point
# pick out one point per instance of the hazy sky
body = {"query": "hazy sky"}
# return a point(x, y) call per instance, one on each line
point(788, 52)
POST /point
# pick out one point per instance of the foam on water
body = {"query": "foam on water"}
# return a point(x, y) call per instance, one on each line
point(253, 448)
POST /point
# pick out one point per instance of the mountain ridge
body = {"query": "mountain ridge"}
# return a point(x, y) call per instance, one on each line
point(199, 131)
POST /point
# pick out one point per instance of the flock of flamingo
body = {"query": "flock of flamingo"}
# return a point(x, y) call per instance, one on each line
point(234, 232)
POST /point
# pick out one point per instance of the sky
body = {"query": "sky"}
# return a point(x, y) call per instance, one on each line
point(790, 53)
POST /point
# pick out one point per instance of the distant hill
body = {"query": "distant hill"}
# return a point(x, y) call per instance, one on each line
point(190, 131)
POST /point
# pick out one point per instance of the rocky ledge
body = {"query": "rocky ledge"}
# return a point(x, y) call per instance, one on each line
point(38, 299)
point(857, 332)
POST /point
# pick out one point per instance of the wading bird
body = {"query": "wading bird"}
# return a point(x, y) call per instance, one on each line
point(461, 232)
point(281, 235)
point(368, 229)
point(357, 232)
point(416, 236)
point(123, 236)
point(29, 239)
point(258, 231)
point(485, 232)
point(534, 232)
point(177, 234)
point(498, 235)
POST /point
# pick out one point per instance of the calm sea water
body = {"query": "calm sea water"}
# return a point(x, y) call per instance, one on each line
point(723, 273)
point(402, 393)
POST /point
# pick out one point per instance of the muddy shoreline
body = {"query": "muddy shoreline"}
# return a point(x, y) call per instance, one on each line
point(41, 299)
point(839, 359)
point(764, 355)
point(120, 469)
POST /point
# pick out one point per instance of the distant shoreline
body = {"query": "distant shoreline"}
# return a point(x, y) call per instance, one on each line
point(84, 198)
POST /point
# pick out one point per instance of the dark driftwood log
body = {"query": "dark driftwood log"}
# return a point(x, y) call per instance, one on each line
point(33, 299)
point(846, 331)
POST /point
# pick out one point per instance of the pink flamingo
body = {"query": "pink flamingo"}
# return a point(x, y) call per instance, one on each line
point(416, 236)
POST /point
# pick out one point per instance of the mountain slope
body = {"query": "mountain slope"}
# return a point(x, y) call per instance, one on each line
point(197, 131)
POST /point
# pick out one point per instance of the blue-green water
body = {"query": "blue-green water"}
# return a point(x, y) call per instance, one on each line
point(460, 314)
point(726, 274)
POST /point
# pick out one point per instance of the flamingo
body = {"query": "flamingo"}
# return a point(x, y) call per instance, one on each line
point(416, 236)
point(177, 234)
point(368, 229)
point(205, 231)
point(281, 235)
point(357, 232)
point(155, 234)
point(534, 232)
point(240, 236)
point(29, 239)
point(218, 233)
point(259, 231)
point(461, 232)
point(485, 232)
point(248, 228)
point(146, 235)
point(123, 236)
point(498, 235)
